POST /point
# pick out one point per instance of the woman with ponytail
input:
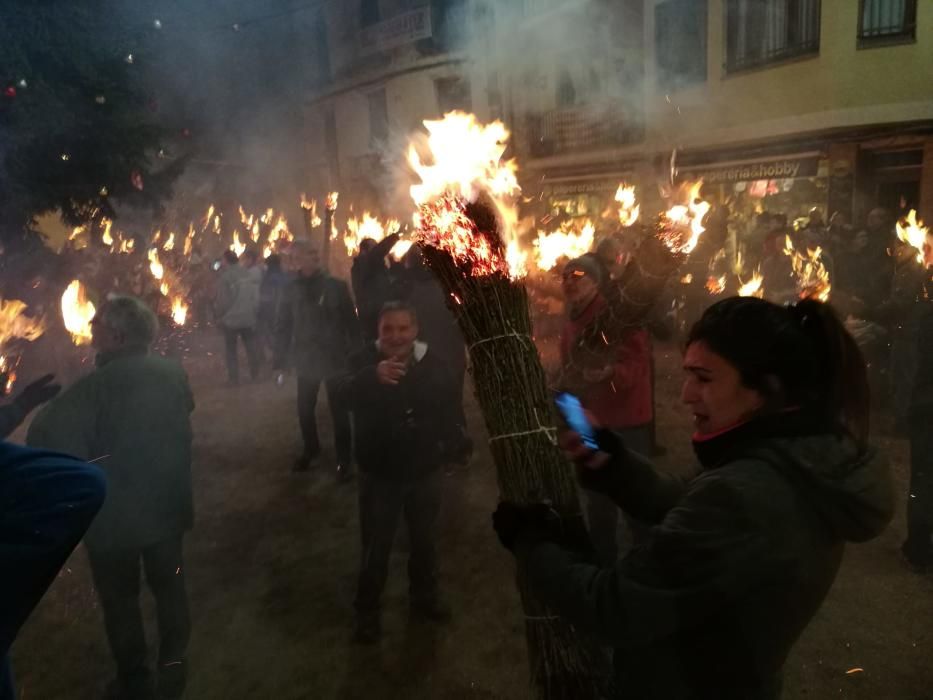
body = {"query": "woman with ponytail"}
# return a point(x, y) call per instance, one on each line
point(739, 557)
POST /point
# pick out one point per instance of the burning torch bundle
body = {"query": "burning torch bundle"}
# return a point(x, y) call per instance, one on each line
point(465, 206)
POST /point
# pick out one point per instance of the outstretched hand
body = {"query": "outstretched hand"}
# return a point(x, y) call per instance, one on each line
point(37, 393)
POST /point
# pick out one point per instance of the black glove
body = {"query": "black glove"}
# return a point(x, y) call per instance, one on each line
point(539, 522)
point(535, 521)
point(37, 393)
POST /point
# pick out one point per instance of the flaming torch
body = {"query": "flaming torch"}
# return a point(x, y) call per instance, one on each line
point(330, 231)
point(629, 209)
point(14, 325)
point(77, 313)
point(752, 288)
point(812, 275)
point(179, 310)
point(914, 233)
point(466, 203)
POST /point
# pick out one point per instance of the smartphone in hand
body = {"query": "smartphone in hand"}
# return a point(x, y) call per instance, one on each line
point(572, 411)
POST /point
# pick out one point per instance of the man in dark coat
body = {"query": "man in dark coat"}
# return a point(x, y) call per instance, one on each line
point(438, 327)
point(401, 396)
point(131, 415)
point(372, 283)
point(317, 325)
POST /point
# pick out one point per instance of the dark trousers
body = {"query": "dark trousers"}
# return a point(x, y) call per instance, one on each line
point(308, 389)
point(381, 502)
point(920, 499)
point(116, 578)
point(251, 344)
point(602, 514)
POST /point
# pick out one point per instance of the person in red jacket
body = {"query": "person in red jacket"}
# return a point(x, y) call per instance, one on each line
point(614, 386)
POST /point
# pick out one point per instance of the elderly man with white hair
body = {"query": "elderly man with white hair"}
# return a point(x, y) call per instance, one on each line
point(131, 416)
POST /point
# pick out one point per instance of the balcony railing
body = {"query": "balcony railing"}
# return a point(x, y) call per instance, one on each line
point(760, 32)
point(582, 129)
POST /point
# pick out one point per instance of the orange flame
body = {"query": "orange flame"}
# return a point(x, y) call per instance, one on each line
point(77, 313)
point(179, 310)
point(7, 372)
point(400, 249)
point(189, 241)
point(155, 266)
point(465, 161)
point(15, 324)
point(629, 208)
point(237, 247)
point(331, 202)
point(716, 285)
point(912, 231)
point(754, 287)
point(208, 217)
point(812, 275)
point(105, 237)
point(310, 206)
point(367, 227)
point(682, 224)
point(565, 242)
point(170, 243)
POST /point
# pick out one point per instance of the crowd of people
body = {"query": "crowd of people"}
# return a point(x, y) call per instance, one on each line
point(724, 570)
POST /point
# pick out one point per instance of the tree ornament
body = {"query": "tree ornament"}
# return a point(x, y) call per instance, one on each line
point(22, 83)
point(129, 58)
point(157, 24)
point(10, 91)
point(100, 99)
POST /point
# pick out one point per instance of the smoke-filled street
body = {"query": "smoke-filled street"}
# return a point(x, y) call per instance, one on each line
point(495, 349)
point(272, 576)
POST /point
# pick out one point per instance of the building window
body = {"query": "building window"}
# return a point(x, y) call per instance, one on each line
point(369, 13)
point(378, 117)
point(453, 94)
point(884, 21)
point(680, 42)
point(759, 32)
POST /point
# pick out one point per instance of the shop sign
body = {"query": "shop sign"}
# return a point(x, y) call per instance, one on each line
point(774, 169)
point(557, 189)
point(397, 31)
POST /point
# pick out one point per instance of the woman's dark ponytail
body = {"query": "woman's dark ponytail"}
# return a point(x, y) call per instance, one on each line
point(840, 367)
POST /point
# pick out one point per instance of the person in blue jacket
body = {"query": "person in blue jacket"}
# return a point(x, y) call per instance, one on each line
point(47, 503)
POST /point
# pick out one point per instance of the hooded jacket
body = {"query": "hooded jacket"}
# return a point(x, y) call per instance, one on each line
point(737, 562)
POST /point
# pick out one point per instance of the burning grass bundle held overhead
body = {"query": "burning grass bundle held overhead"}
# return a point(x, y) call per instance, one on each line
point(465, 225)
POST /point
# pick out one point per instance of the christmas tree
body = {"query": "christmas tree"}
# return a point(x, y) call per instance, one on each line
point(79, 132)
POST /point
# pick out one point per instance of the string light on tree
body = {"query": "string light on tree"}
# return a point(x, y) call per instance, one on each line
point(157, 24)
point(129, 58)
point(22, 83)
